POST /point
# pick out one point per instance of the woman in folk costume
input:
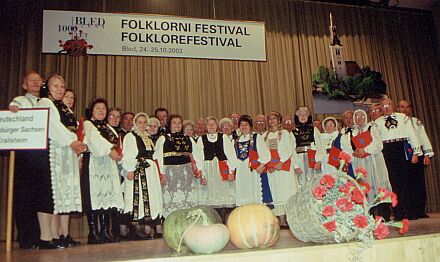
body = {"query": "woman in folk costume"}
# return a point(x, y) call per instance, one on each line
point(308, 145)
point(365, 144)
point(202, 191)
point(60, 223)
point(252, 154)
point(57, 168)
point(173, 152)
point(100, 183)
point(226, 127)
point(142, 186)
point(282, 178)
point(219, 162)
point(327, 140)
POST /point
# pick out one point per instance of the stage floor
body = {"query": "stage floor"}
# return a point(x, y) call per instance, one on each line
point(423, 237)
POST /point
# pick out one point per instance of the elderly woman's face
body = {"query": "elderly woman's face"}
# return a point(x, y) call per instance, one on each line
point(153, 127)
point(330, 126)
point(359, 119)
point(56, 88)
point(141, 123)
point(211, 126)
point(188, 130)
point(114, 118)
point(226, 128)
point(303, 116)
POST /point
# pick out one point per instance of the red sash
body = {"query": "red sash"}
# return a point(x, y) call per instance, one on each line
point(224, 169)
point(253, 159)
point(275, 159)
point(311, 157)
point(80, 130)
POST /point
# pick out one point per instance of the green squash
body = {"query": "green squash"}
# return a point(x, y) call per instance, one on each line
point(177, 222)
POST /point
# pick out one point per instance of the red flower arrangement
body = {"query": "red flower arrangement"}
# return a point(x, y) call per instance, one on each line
point(343, 208)
point(76, 45)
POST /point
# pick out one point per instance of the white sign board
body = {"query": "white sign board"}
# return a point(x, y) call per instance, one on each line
point(26, 129)
point(153, 35)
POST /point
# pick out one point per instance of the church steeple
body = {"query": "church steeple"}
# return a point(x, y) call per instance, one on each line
point(338, 62)
point(334, 38)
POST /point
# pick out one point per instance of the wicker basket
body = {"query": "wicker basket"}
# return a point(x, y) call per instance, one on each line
point(303, 221)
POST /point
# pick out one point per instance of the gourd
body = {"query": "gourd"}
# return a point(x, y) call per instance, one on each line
point(253, 226)
point(176, 223)
point(205, 238)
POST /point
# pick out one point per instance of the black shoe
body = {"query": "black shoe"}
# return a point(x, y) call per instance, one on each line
point(158, 235)
point(59, 243)
point(140, 237)
point(104, 220)
point(423, 215)
point(93, 238)
point(42, 244)
point(69, 241)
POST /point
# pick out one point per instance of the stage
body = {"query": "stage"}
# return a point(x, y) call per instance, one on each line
point(421, 244)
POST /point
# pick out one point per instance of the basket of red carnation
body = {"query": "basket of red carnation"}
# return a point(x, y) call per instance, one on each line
point(333, 208)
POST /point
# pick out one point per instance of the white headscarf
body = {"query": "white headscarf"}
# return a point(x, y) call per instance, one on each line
point(360, 128)
point(135, 128)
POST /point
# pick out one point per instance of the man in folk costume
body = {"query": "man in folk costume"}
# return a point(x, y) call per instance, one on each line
point(24, 197)
point(418, 169)
point(401, 147)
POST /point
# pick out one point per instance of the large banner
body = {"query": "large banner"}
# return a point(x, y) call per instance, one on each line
point(152, 35)
point(26, 129)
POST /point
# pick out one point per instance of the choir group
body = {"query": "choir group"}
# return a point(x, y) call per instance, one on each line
point(127, 172)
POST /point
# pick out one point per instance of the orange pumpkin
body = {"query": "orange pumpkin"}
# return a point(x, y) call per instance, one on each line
point(253, 226)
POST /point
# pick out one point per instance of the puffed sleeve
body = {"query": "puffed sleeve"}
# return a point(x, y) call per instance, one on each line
point(320, 150)
point(197, 155)
point(200, 149)
point(97, 144)
point(346, 144)
point(228, 147)
point(424, 140)
point(129, 152)
point(158, 152)
point(413, 138)
point(263, 151)
point(285, 147)
point(376, 145)
point(295, 158)
point(57, 131)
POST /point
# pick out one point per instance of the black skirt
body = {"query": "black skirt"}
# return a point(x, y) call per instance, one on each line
point(43, 181)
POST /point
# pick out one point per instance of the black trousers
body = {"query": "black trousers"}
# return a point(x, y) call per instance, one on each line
point(417, 178)
point(399, 172)
point(25, 194)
